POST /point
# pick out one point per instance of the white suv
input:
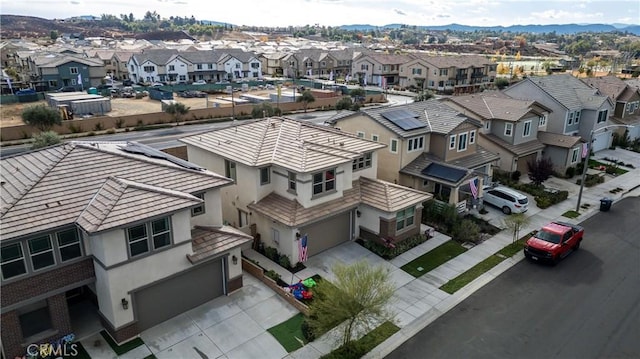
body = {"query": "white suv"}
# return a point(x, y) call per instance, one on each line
point(508, 200)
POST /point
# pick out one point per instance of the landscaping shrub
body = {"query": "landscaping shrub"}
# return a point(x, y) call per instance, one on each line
point(571, 171)
point(272, 254)
point(307, 332)
point(273, 275)
point(516, 175)
point(399, 248)
point(466, 231)
point(591, 180)
point(611, 169)
point(284, 261)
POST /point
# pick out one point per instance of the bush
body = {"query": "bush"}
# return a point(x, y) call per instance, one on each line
point(571, 171)
point(273, 275)
point(466, 231)
point(400, 247)
point(542, 202)
point(516, 175)
point(307, 332)
point(272, 254)
point(45, 139)
point(284, 261)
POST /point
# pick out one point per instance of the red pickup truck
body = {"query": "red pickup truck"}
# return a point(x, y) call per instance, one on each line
point(554, 242)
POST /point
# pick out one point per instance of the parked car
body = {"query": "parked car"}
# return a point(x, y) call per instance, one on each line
point(507, 199)
point(200, 82)
point(554, 242)
point(127, 82)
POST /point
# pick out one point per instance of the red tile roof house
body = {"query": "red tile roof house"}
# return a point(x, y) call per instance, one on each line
point(295, 178)
point(120, 226)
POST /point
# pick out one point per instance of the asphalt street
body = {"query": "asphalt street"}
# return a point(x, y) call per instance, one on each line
point(588, 306)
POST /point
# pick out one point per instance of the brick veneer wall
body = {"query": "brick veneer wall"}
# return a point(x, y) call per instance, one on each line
point(48, 281)
point(123, 334)
point(234, 284)
point(13, 342)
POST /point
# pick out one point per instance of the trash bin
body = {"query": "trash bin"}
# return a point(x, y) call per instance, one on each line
point(605, 204)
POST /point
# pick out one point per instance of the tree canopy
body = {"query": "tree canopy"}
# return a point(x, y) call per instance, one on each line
point(306, 98)
point(177, 110)
point(41, 117)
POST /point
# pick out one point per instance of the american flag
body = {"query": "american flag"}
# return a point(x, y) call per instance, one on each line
point(473, 184)
point(302, 249)
point(585, 150)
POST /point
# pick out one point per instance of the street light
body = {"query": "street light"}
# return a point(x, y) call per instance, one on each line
point(586, 160)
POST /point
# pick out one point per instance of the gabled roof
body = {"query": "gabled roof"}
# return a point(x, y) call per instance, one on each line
point(457, 61)
point(296, 145)
point(495, 105)
point(61, 60)
point(434, 114)
point(610, 85)
point(158, 57)
point(52, 187)
point(522, 149)
point(569, 91)
point(387, 59)
point(441, 172)
point(120, 202)
point(208, 242)
point(379, 194)
point(558, 140)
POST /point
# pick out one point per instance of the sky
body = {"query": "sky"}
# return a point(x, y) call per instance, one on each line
point(346, 12)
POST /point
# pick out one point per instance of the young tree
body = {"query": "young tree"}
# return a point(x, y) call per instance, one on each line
point(177, 110)
point(514, 223)
point(423, 96)
point(358, 95)
point(45, 139)
point(501, 83)
point(344, 103)
point(265, 109)
point(41, 117)
point(540, 170)
point(358, 298)
point(306, 98)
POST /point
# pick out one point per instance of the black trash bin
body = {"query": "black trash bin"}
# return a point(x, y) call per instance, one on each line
point(605, 204)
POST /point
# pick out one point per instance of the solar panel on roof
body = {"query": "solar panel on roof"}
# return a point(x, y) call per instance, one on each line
point(404, 119)
point(133, 147)
point(444, 172)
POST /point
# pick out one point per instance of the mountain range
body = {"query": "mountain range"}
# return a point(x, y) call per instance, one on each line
point(558, 29)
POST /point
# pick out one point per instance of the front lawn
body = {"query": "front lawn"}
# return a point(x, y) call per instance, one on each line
point(434, 258)
point(289, 333)
point(571, 214)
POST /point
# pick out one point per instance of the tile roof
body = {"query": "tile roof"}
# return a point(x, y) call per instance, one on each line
point(494, 105)
point(558, 140)
point(437, 117)
point(633, 120)
point(293, 144)
point(120, 202)
point(52, 187)
point(379, 194)
point(476, 159)
point(522, 149)
point(208, 242)
point(568, 90)
point(610, 85)
point(388, 59)
point(158, 57)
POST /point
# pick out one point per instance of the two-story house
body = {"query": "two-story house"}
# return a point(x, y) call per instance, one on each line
point(130, 232)
point(509, 127)
point(379, 69)
point(431, 147)
point(459, 74)
point(576, 108)
point(293, 178)
point(63, 70)
point(626, 99)
point(150, 65)
point(317, 63)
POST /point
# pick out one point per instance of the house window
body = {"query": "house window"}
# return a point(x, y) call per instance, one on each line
point(196, 211)
point(416, 143)
point(149, 68)
point(393, 146)
point(199, 67)
point(508, 129)
point(53, 83)
point(487, 125)
point(360, 134)
point(230, 169)
point(139, 240)
point(375, 138)
point(404, 218)
point(526, 132)
point(12, 259)
point(425, 183)
point(182, 78)
point(416, 71)
point(237, 66)
point(444, 72)
point(161, 233)
point(462, 142)
point(34, 319)
point(362, 162)
point(571, 114)
point(364, 67)
point(472, 137)
point(69, 244)
point(210, 66)
point(138, 243)
point(602, 116)
point(265, 175)
point(324, 181)
point(292, 181)
point(542, 120)
point(172, 68)
point(41, 251)
point(452, 142)
point(577, 117)
point(574, 155)
point(243, 218)
point(73, 70)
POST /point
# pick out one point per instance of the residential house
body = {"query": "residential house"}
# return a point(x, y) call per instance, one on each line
point(456, 74)
point(274, 64)
point(293, 179)
point(626, 99)
point(413, 74)
point(115, 62)
point(431, 147)
point(576, 108)
point(54, 72)
point(114, 235)
point(378, 68)
point(316, 62)
point(240, 64)
point(510, 127)
point(150, 65)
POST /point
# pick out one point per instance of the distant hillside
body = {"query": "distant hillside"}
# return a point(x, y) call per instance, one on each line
point(558, 29)
point(30, 27)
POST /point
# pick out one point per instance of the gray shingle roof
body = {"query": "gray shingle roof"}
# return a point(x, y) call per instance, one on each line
point(52, 187)
point(457, 61)
point(568, 90)
point(494, 105)
point(519, 150)
point(610, 85)
point(296, 145)
point(158, 57)
point(558, 140)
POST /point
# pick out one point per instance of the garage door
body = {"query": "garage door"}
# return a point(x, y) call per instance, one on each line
point(601, 141)
point(327, 233)
point(522, 163)
point(171, 297)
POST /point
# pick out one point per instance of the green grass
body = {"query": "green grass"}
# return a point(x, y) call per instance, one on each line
point(618, 170)
point(474, 272)
point(360, 347)
point(289, 333)
point(434, 258)
point(571, 214)
point(121, 349)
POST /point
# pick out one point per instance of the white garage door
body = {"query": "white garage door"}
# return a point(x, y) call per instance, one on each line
point(601, 141)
